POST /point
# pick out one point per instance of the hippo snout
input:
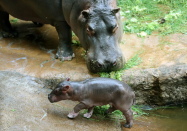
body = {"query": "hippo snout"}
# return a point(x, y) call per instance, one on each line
point(49, 98)
point(106, 65)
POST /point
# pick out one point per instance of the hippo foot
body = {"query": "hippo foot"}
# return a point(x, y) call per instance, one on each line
point(72, 115)
point(65, 58)
point(38, 24)
point(127, 125)
point(10, 34)
point(88, 115)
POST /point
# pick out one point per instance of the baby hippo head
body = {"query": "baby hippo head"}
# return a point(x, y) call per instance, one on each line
point(61, 92)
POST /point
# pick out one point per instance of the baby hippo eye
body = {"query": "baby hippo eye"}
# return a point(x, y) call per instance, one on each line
point(115, 28)
point(90, 31)
point(57, 91)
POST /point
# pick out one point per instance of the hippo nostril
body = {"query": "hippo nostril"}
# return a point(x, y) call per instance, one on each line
point(115, 63)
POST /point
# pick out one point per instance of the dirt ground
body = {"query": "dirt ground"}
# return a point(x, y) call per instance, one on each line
point(23, 102)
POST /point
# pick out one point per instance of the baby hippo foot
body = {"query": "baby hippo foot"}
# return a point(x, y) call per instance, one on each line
point(65, 58)
point(10, 34)
point(72, 114)
point(88, 114)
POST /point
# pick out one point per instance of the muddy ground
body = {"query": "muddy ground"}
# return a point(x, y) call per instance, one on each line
point(33, 53)
point(23, 102)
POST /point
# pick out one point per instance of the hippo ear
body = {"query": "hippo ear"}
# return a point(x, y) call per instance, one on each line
point(85, 13)
point(67, 79)
point(116, 10)
point(65, 89)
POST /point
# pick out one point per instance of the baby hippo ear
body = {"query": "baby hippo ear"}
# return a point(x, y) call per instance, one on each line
point(116, 10)
point(65, 89)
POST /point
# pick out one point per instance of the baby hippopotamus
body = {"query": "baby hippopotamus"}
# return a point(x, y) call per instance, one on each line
point(96, 92)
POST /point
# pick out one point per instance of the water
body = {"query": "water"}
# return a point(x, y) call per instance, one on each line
point(173, 119)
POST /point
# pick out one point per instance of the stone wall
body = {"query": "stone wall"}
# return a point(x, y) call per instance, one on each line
point(158, 86)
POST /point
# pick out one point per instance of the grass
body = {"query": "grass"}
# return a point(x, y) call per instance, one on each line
point(145, 16)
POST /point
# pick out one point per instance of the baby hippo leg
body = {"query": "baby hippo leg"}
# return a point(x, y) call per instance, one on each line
point(76, 110)
point(129, 118)
point(89, 113)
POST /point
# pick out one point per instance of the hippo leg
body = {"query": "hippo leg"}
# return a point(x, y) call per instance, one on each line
point(129, 118)
point(64, 51)
point(110, 110)
point(5, 26)
point(89, 113)
point(76, 110)
point(38, 24)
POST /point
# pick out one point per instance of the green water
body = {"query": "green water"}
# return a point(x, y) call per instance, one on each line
point(173, 119)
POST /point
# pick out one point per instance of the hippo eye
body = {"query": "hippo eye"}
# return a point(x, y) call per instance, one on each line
point(90, 31)
point(115, 28)
point(57, 91)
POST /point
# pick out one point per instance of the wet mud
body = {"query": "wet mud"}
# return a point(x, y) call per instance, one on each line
point(23, 102)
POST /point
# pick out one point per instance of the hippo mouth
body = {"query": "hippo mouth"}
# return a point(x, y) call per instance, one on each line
point(95, 66)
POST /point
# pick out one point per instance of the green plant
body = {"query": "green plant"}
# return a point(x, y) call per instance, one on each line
point(76, 43)
point(117, 114)
point(14, 20)
point(134, 61)
point(114, 74)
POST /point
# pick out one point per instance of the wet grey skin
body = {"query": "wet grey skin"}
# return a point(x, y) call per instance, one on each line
point(97, 24)
point(96, 92)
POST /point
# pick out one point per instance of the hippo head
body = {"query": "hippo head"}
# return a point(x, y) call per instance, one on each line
point(102, 33)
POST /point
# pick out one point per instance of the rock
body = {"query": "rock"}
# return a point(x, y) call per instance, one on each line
point(158, 86)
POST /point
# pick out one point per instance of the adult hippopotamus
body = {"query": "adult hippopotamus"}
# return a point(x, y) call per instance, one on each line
point(96, 23)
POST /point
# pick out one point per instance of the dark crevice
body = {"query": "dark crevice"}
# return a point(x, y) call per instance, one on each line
point(155, 93)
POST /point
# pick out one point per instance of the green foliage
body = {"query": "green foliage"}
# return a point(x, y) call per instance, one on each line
point(117, 115)
point(138, 111)
point(145, 16)
point(14, 20)
point(114, 75)
point(101, 110)
point(76, 43)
